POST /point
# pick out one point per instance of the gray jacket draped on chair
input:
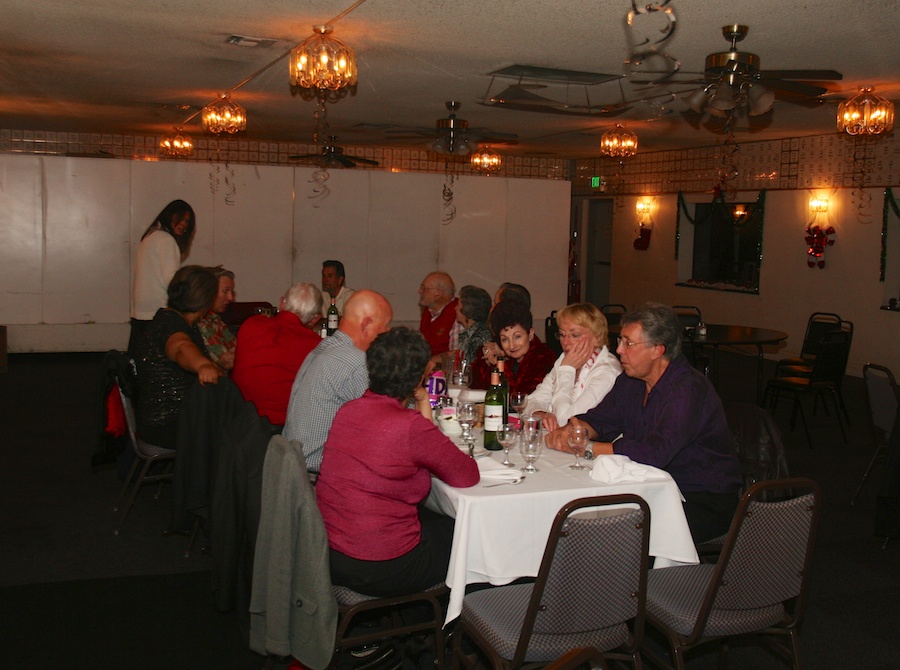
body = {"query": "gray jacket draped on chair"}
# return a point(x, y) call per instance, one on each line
point(292, 608)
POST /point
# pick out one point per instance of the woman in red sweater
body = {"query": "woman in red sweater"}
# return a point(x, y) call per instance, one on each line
point(376, 468)
point(527, 360)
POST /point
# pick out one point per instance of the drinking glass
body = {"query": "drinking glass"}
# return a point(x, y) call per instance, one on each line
point(517, 401)
point(577, 437)
point(531, 445)
point(465, 414)
point(506, 436)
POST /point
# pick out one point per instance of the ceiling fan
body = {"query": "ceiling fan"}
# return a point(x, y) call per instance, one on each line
point(733, 79)
point(452, 135)
point(332, 156)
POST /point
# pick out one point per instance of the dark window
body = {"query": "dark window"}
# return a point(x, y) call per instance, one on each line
point(727, 245)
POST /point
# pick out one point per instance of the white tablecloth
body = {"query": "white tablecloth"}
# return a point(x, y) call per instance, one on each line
point(501, 531)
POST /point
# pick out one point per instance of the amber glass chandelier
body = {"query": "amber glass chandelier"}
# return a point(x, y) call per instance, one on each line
point(177, 144)
point(866, 114)
point(224, 116)
point(486, 160)
point(619, 142)
point(323, 62)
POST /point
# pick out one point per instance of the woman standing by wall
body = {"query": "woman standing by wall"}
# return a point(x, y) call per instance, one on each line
point(164, 247)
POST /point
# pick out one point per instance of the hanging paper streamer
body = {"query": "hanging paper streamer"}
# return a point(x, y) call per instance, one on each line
point(447, 195)
point(650, 25)
point(320, 189)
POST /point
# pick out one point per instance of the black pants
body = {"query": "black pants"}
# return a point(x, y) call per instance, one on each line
point(421, 567)
point(709, 514)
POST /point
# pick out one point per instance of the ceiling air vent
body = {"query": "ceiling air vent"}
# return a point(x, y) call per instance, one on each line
point(244, 41)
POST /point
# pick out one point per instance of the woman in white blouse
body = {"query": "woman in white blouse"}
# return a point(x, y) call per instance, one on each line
point(582, 375)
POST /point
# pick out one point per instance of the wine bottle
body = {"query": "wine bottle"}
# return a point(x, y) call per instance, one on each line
point(493, 413)
point(504, 384)
point(332, 317)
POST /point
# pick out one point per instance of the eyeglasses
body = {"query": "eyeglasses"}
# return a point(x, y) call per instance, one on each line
point(569, 336)
point(628, 344)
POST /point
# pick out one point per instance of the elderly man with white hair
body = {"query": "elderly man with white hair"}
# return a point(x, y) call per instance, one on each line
point(270, 350)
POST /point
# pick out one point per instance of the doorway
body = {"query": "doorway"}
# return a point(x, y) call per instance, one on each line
point(597, 250)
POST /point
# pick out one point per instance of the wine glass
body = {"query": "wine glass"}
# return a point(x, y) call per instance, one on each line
point(577, 438)
point(506, 436)
point(517, 401)
point(465, 414)
point(530, 446)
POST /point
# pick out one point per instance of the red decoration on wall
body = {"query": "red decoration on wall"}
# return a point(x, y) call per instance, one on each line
point(642, 243)
point(817, 238)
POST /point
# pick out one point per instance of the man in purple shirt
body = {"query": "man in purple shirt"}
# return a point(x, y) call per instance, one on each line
point(669, 416)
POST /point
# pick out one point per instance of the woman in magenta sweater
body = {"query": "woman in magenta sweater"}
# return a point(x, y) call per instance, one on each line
point(376, 468)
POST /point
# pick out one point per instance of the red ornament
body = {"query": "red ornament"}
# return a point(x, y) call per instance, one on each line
point(817, 239)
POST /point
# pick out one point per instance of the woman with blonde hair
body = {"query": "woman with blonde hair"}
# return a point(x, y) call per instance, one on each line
point(582, 375)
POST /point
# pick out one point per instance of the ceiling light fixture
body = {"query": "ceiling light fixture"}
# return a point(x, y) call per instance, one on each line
point(323, 63)
point(486, 160)
point(866, 114)
point(224, 116)
point(619, 142)
point(177, 144)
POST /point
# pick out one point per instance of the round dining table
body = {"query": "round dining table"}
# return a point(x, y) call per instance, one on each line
point(719, 335)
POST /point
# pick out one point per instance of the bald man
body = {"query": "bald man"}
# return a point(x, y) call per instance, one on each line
point(436, 297)
point(335, 373)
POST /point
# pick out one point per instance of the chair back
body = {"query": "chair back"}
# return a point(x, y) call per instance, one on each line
point(832, 354)
point(126, 381)
point(767, 554)
point(883, 396)
point(818, 324)
point(688, 315)
point(551, 332)
point(579, 588)
point(613, 312)
point(758, 443)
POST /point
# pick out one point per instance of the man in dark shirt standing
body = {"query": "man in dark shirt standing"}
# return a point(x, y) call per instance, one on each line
point(669, 416)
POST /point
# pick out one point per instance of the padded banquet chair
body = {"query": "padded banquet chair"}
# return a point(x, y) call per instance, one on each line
point(613, 312)
point(146, 455)
point(817, 325)
point(758, 587)
point(824, 380)
point(883, 398)
point(579, 658)
point(581, 597)
point(551, 333)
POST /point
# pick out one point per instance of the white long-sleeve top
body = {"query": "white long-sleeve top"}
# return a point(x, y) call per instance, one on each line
point(158, 259)
point(564, 397)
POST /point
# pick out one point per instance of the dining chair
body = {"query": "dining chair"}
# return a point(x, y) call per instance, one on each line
point(758, 587)
point(690, 318)
point(613, 311)
point(582, 596)
point(883, 400)
point(824, 380)
point(151, 463)
point(817, 325)
point(578, 658)
point(551, 333)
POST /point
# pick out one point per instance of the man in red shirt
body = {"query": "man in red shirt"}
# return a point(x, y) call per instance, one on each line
point(270, 350)
point(436, 297)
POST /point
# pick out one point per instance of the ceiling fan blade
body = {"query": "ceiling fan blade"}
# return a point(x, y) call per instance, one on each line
point(805, 75)
point(367, 161)
point(794, 87)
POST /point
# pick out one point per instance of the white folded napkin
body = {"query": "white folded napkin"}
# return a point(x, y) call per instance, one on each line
point(491, 469)
point(618, 468)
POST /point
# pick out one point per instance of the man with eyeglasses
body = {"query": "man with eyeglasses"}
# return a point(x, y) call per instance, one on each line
point(662, 412)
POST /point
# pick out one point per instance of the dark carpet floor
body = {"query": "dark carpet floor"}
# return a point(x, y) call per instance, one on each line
point(74, 595)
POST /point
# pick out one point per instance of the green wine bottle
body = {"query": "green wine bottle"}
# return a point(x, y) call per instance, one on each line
point(493, 413)
point(332, 318)
point(504, 385)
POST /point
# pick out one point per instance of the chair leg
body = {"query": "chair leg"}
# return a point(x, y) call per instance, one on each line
point(837, 413)
point(799, 406)
point(878, 451)
point(128, 481)
point(130, 502)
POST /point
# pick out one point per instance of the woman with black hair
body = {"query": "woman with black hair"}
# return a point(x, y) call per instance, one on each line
point(376, 468)
point(164, 247)
point(171, 357)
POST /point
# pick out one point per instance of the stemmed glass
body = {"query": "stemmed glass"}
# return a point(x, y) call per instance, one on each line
point(531, 444)
point(577, 437)
point(506, 436)
point(465, 414)
point(517, 401)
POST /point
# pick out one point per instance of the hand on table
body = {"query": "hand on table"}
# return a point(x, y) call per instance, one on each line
point(548, 420)
point(559, 438)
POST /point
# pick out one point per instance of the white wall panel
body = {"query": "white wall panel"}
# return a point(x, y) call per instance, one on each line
point(21, 239)
point(86, 263)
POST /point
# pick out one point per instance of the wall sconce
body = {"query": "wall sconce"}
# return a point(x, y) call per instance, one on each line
point(645, 224)
point(739, 214)
point(818, 206)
